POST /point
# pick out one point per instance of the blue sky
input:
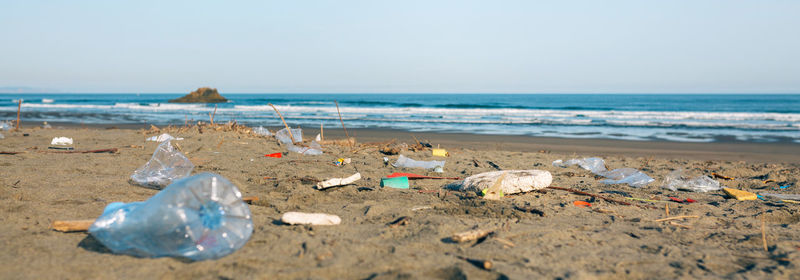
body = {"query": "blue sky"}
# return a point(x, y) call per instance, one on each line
point(402, 46)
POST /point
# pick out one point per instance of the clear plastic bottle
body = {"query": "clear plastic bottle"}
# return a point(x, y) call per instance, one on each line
point(199, 217)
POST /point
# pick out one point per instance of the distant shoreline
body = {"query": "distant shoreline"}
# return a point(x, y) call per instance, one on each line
point(723, 149)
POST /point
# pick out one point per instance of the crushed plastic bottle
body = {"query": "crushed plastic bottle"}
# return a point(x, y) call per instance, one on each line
point(166, 165)
point(403, 161)
point(630, 176)
point(199, 217)
point(515, 181)
point(262, 131)
point(283, 136)
point(677, 181)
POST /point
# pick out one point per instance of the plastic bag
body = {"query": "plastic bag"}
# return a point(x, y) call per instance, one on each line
point(677, 181)
point(403, 161)
point(515, 181)
point(630, 176)
point(262, 131)
point(199, 217)
point(283, 136)
point(166, 165)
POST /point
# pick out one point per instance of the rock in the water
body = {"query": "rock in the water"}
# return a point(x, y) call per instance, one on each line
point(201, 95)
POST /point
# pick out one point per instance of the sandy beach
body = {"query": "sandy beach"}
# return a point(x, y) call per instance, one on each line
point(607, 240)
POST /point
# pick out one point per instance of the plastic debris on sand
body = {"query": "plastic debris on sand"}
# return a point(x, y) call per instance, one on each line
point(403, 161)
point(166, 165)
point(515, 181)
point(162, 138)
point(283, 136)
point(262, 131)
point(61, 141)
point(630, 176)
point(676, 180)
point(199, 217)
point(320, 219)
point(334, 182)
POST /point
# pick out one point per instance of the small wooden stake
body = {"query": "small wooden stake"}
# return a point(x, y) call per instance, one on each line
point(321, 132)
point(340, 119)
point(213, 115)
point(19, 108)
point(72, 226)
point(666, 208)
point(764, 232)
point(284, 121)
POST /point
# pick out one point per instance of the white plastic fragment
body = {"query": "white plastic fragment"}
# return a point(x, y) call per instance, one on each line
point(630, 176)
point(5, 126)
point(333, 182)
point(318, 138)
point(515, 181)
point(319, 219)
point(61, 141)
point(162, 138)
point(677, 181)
point(403, 161)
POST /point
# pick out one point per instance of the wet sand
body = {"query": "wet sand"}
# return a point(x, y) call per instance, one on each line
point(604, 241)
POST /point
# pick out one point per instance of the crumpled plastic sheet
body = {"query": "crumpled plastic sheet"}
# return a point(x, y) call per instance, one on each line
point(199, 217)
point(283, 136)
point(262, 131)
point(166, 165)
point(403, 161)
point(677, 181)
point(313, 149)
point(162, 138)
point(630, 176)
point(515, 181)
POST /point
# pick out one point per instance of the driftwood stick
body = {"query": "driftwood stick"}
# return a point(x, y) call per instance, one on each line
point(764, 232)
point(589, 194)
point(72, 226)
point(10, 153)
point(19, 108)
point(471, 235)
point(213, 115)
point(111, 151)
point(675, 218)
point(340, 119)
point(321, 132)
point(284, 121)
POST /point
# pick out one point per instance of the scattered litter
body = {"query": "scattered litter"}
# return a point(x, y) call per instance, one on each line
point(740, 194)
point(678, 200)
point(403, 161)
point(677, 181)
point(334, 182)
point(396, 182)
point(440, 153)
point(166, 165)
point(63, 141)
point(412, 176)
point(515, 181)
point(274, 155)
point(199, 217)
point(284, 137)
point(262, 131)
point(581, 203)
point(313, 149)
point(162, 138)
point(319, 219)
point(46, 125)
point(719, 176)
point(342, 161)
point(630, 176)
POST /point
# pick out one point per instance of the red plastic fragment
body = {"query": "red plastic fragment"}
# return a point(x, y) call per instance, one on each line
point(678, 200)
point(275, 155)
point(581, 203)
point(689, 200)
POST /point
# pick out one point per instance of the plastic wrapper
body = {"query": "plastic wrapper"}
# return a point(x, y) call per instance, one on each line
point(403, 161)
point(262, 131)
point(283, 136)
point(515, 181)
point(61, 141)
point(166, 165)
point(630, 176)
point(319, 219)
point(199, 217)
point(676, 180)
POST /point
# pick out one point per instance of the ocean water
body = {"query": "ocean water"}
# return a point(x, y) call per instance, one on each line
point(642, 117)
